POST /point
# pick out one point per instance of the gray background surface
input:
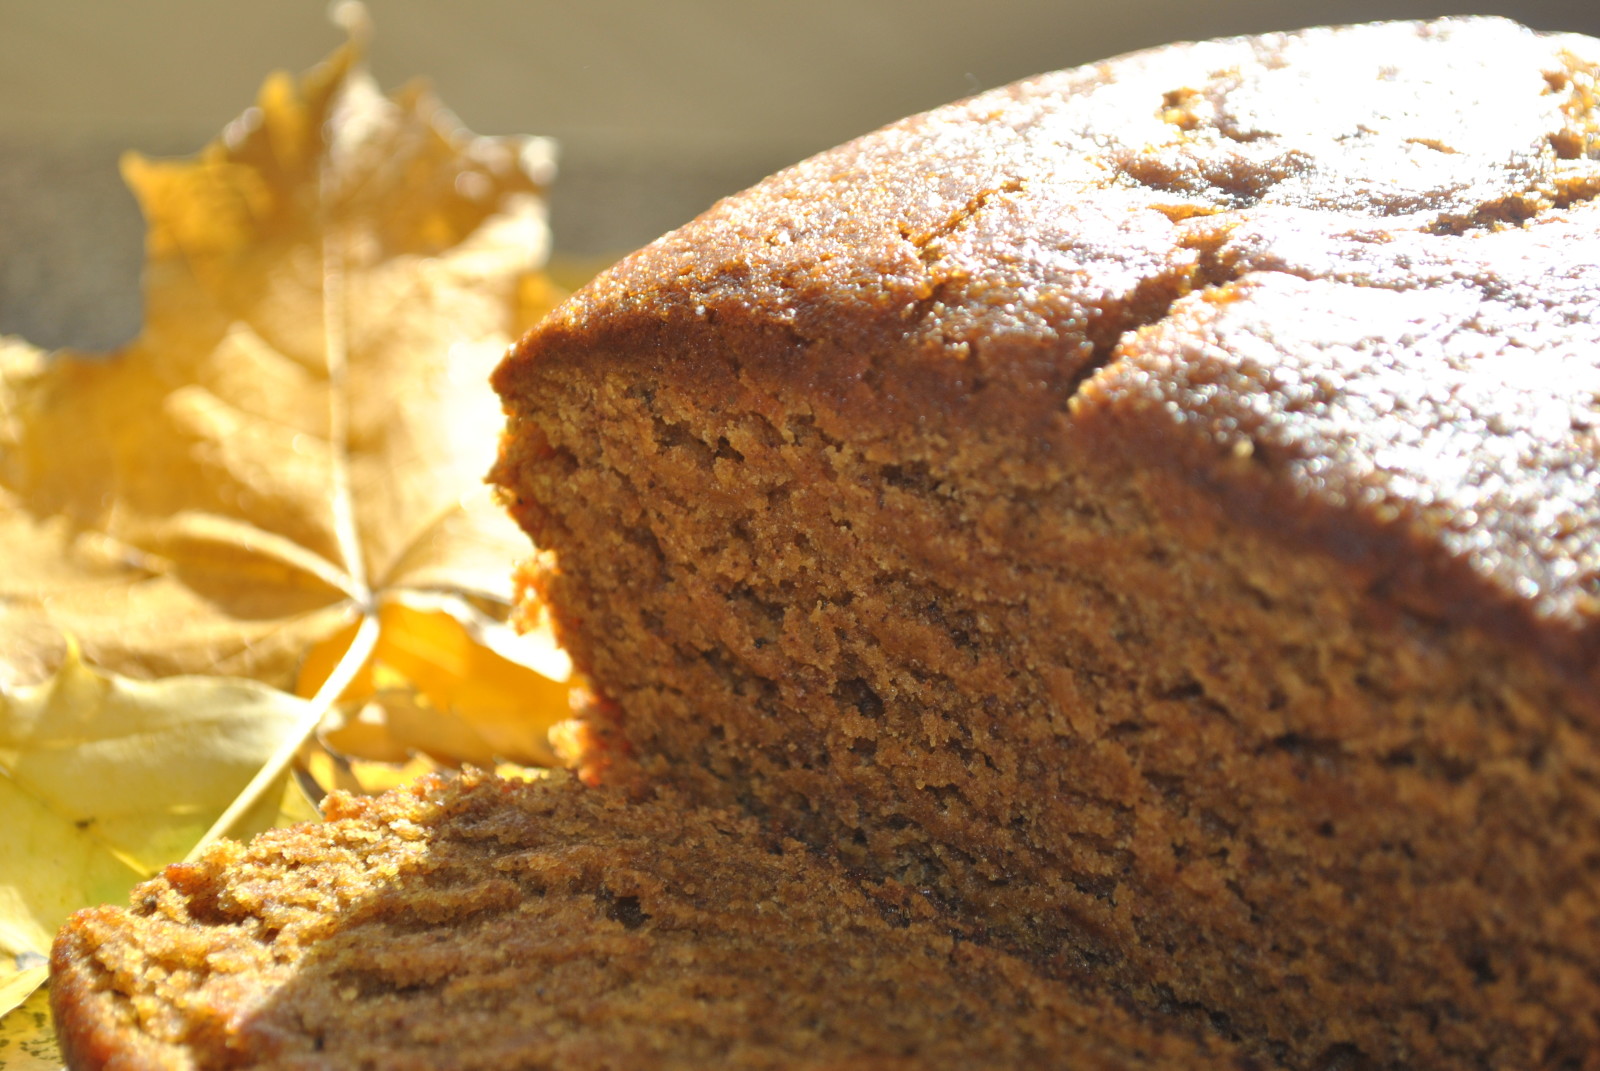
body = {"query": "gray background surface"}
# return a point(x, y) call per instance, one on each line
point(660, 108)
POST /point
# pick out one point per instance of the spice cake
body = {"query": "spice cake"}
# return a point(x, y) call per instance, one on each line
point(497, 925)
point(1153, 509)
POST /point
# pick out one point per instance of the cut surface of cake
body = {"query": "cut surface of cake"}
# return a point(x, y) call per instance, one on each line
point(506, 925)
point(1153, 509)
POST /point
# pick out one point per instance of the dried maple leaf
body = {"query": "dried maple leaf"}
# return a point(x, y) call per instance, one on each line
point(281, 477)
point(27, 1040)
point(280, 480)
point(14, 992)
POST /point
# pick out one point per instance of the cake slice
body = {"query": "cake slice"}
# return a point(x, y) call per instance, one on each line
point(488, 925)
point(1152, 508)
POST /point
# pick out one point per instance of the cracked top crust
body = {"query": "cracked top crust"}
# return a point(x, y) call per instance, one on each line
point(1348, 279)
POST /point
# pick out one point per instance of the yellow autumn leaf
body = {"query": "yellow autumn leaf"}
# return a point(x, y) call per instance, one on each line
point(16, 988)
point(27, 1040)
point(287, 462)
point(444, 680)
point(278, 483)
point(104, 779)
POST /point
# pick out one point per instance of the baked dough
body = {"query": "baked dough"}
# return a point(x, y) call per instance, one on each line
point(491, 925)
point(1152, 508)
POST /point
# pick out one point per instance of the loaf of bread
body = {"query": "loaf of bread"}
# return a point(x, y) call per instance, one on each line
point(494, 925)
point(1104, 574)
point(1154, 509)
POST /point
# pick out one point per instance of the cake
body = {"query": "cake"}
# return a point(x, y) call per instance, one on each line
point(487, 924)
point(1150, 509)
point(1100, 575)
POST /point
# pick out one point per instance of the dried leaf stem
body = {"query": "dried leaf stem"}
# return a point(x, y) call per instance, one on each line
point(355, 657)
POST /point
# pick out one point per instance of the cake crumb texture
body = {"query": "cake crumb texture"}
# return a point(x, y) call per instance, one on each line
point(1152, 508)
point(489, 924)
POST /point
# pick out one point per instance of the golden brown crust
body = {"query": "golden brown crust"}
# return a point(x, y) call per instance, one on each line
point(978, 264)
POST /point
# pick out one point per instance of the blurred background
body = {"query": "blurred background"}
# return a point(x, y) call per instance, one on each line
point(659, 107)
